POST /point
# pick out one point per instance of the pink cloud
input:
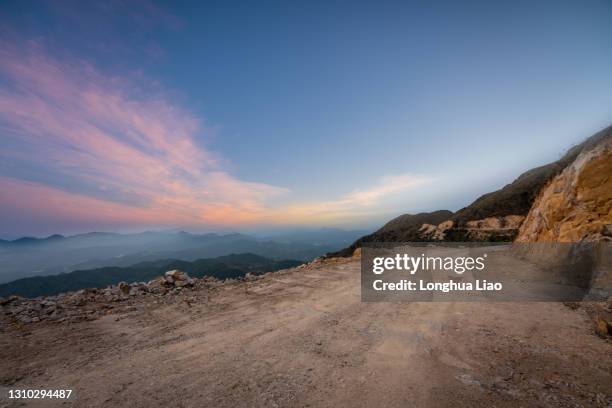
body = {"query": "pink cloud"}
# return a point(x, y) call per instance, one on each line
point(109, 135)
point(121, 154)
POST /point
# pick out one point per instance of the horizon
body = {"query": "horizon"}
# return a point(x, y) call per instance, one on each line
point(211, 118)
point(269, 233)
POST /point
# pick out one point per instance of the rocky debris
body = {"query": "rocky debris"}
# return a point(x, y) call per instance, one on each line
point(487, 229)
point(577, 204)
point(603, 321)
point(435, 232)
point(250, 277)
point(88, 304)
point(497, 223)
point(178, 279)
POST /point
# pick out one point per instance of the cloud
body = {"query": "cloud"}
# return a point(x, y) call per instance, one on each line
point(358, 203)
point(80, 128)
point(77, 144)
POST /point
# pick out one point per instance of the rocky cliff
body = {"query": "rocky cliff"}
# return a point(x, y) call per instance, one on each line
point(577, 204)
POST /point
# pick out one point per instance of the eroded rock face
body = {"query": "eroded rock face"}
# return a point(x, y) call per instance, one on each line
point(577, 204)
point(488, 229)
point(435, 232)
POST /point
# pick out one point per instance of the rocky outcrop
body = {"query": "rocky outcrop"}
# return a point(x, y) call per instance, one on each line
point(431, 232)
point(89, 304)
point(577, 204)
point(173, 287)
point(488, 229)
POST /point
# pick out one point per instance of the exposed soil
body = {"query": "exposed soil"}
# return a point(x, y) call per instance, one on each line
point(302, 337)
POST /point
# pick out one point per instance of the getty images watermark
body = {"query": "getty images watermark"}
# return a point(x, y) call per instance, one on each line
point(467, 271)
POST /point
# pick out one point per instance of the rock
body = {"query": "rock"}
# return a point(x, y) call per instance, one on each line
point(9, 300)
point(177, 279)
point(250, 276)
point(177, 275)
point(158, 285)
point(124, 288)
point(435, 232)
point(24, 319)
point(603, 323)
point(182, 283)
point(577, 203)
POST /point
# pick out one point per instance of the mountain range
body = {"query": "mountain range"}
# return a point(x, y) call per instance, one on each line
point(223, 267)
point(28, 256)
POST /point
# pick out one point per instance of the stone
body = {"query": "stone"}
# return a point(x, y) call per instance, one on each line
point(177, 275)
point(123, 288)
point(9, 300)
point(603, 322)
point(181, 283)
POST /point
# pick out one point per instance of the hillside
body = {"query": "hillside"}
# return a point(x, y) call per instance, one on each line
point(517, 197)
point(224, 267)
point(500, 215)
point(403, 228)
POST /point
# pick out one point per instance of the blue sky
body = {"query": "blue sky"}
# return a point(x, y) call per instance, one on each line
point(289, 113)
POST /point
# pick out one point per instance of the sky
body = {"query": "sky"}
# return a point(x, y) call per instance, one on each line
point(132, 115)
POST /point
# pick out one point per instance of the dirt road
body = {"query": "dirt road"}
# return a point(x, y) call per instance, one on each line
point(303, 338)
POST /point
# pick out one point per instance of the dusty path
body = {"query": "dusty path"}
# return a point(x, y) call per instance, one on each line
point(303, 338)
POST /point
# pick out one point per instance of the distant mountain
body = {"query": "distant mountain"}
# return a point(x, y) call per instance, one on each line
point(224, 267)
point(56, 254)
point(31, 240)
point(320, 237)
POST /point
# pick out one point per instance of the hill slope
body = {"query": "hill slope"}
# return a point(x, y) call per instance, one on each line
point(403, 228)
point(495, 216)
point(517, 197)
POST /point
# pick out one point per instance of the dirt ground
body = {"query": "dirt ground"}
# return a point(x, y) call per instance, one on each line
point(303, 338)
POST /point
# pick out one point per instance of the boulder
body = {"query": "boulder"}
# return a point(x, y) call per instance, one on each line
point(603, 326)
point(124, 288)
point(176, 275)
